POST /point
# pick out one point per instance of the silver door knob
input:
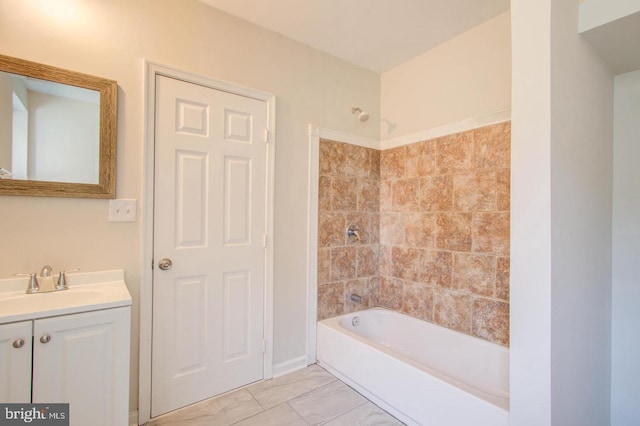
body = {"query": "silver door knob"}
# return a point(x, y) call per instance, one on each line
point(18, 343)
point(165, 264)
point(45, 338)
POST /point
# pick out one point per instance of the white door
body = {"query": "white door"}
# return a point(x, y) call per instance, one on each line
point(83, 359)
point(210, 223)
point(15, 362)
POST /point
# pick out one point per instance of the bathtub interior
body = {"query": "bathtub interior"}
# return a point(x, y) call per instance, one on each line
point(474, 365)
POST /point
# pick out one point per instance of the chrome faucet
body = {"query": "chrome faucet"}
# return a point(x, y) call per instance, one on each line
point(62, 279)
point(34, 285)
point(45, 280)
point(46, 271)
point(356, 298)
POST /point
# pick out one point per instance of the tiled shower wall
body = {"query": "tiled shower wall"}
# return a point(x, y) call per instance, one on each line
point(444, 207)
point(443, 212)
point(348, 194)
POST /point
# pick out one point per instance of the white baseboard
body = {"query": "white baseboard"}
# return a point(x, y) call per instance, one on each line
point(133, 418)
point(290, 366)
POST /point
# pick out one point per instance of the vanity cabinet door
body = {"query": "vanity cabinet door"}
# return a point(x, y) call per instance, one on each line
point(15, 362)
point(83, 359)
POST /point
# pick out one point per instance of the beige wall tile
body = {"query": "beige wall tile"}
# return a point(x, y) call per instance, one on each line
point(368, 195)
point(475, 191)
point(452, 310)
point(374, 228)
point(420, 230)
point(324, 265)
point(493, 146)
point(344, 193)
point(374, 166)
point(332, 158)
point(453, 231)
point(405, 195)
point(331, 228)
point(367, 261)
point(455, 153)
point(343, 263)
point(390, 293)
point(330, 300)
point(405, 263)
point(420, 159)
point(436, 268)
point(374, 291)
point(502, 278)
point(386, 195)
point(503, 177)
point(385, 261)
point(392, 163)
point(324, 193)
point(491, 320)
point(417, 301)
point(491, 233)
point(436, 194)
point(474, 273)
point(356, 161)
point(391, 229)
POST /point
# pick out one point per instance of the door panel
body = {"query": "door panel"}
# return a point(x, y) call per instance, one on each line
point(209, 219)
point(191, 199)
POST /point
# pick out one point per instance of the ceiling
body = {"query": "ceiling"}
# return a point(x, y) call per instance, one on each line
point(613, 30)
point(375, 34)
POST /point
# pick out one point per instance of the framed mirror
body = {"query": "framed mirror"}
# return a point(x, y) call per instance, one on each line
point(57, 131)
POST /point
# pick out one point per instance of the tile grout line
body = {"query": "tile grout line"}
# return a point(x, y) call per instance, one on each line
point(366, 401)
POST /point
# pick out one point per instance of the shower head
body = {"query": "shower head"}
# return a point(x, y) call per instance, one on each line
point(362, 115)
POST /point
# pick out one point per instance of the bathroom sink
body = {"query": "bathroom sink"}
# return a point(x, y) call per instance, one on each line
point(16, 301)
point(95, 290)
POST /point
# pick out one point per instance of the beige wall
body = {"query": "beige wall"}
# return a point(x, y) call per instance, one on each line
point(625, 334)
point(466, 77)
point(111, 39)
point(561, 204)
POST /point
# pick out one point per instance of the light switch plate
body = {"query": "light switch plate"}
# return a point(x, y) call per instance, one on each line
point(122, 210)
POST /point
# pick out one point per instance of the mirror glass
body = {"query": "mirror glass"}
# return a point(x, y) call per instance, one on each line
point(57, 131)
point(49, 131)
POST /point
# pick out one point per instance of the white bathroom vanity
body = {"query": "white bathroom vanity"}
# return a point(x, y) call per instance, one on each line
point(69, 346)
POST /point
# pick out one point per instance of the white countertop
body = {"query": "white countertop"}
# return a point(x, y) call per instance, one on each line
point(88, 291)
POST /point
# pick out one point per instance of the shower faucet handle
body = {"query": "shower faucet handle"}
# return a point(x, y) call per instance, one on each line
point(353, 233)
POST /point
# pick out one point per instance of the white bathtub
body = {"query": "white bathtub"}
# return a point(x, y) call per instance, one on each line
point(421, 373)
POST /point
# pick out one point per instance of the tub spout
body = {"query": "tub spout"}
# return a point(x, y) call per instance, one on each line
point(356, 298)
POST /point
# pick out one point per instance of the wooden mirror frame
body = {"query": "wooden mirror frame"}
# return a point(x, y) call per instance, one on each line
point(106, 186)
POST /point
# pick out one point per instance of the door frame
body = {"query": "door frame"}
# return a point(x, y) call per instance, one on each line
point(146, 274)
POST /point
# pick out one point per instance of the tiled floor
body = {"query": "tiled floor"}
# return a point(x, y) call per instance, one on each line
point(311, 396)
